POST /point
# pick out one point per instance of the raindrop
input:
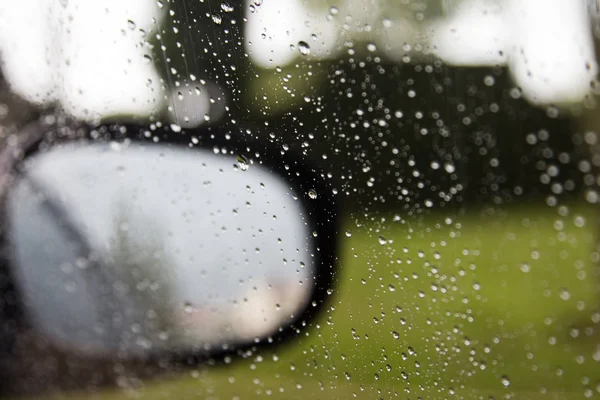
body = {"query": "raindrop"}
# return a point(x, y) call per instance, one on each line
point(312, 193)
point(382, 240)
point(130, 25)
point(147, 58)
point(396, 335)
point(217, 19)
point(175, 128)
point(579, 221)
point(70, 286)
point(505, 381)
point(333, 10)
point(226, 7)
point(348, 233)
point(242, 162)
point(564, 294)
point(304, 48)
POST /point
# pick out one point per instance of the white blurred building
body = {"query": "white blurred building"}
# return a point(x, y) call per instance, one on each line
point(91, 57)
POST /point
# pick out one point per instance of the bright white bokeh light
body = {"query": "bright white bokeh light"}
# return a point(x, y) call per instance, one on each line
point(87, 56)
point(552, 55)
point(547, 44)
point(275, 28)
point(474, 34)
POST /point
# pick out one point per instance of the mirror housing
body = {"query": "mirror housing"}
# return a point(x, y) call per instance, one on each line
point(307, 189)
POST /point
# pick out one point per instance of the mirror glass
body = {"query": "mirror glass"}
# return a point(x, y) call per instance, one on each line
point(130, 248)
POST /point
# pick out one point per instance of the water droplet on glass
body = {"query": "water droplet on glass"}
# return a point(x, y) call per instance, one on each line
point(505, 381)
point(242, 162)
point(312, 193)
point(304, 48)
point(489, 80)
point(130, 25)
point(382, 240)
point(226, 7)
point(348, 233)
point(217, 19)
point(175, 128)
point(333, 10)
point(396, 335)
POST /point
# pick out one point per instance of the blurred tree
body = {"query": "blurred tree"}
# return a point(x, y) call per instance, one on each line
point(200, 49)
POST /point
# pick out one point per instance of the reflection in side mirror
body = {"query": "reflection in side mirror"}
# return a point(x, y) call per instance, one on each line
point(141, 248)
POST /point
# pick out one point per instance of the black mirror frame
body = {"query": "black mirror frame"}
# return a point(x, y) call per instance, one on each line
point(228, 139)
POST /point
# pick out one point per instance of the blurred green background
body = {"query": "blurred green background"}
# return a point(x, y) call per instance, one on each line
point(496, 302)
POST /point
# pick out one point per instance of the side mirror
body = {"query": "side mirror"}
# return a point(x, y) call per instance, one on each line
point(124, 245)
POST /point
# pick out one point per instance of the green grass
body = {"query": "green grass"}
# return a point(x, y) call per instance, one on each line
point(445, 307)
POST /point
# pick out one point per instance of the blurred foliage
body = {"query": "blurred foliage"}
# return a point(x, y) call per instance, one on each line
point(400, 134)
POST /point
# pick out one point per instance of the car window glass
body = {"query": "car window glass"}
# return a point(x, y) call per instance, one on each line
point(458, 137)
